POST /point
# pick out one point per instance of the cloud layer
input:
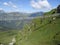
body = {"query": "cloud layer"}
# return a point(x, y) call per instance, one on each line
point(40, 4)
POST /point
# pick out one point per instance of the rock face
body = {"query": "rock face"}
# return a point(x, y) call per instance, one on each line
point(58, 9)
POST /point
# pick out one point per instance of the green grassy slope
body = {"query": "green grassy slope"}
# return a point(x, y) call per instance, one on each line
point(7, 36)
point(41, 31)
point(51, 12)
point(38, 32)
point(44, 33)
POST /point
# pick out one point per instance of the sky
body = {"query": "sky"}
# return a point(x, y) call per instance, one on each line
point(28, 6)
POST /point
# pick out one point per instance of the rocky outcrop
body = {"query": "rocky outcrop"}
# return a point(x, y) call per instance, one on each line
point(58, 9)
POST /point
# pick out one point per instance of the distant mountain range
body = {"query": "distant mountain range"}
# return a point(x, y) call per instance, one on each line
point(2, 12)
point(15, 24)
point(36, 14)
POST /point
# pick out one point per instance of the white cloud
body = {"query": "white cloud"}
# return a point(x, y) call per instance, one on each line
point(17, 10)
point(1, 9)
point(10, 4)
point(13, 5)
point(6, 4)
point(40, 4)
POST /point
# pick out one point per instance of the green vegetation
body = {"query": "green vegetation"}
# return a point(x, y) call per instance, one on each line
point(51, 12)
point(6, 36)
point(45, 35)
point(42, 31)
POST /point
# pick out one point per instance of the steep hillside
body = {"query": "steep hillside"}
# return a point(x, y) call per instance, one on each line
point(41, 31)
point(44, 33)
point(51, 12)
